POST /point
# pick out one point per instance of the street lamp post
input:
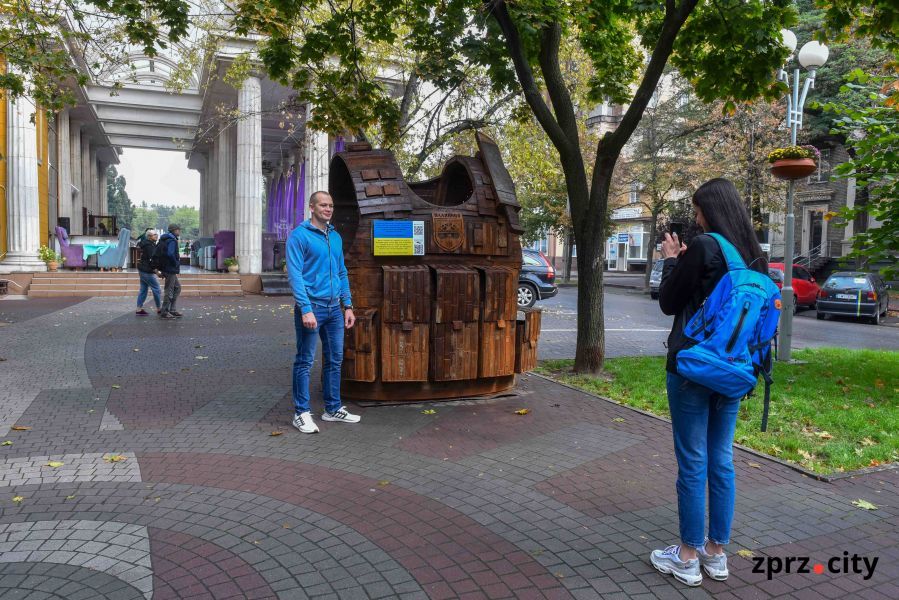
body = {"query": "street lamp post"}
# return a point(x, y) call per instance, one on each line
point(812, 56)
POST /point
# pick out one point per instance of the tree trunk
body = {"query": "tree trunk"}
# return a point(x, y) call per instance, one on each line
point(566, 259)
point(591, 343)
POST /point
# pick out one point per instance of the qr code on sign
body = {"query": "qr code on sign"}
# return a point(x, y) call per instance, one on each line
point(418, 248)
point(418, 229)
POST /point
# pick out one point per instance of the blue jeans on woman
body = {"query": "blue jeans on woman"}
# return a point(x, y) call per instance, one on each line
point(329, 327)
point(703, 423)
point(148, 280)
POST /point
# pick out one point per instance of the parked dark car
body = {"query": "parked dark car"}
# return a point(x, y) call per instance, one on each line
point(655, 279)
point(536, 279)
point(854, 294)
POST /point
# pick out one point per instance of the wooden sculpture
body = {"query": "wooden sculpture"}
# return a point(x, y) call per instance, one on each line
point(433, 269)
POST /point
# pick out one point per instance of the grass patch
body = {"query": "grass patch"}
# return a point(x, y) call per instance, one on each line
point(838, 412)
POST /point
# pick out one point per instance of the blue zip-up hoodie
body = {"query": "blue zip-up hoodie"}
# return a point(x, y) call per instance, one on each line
point(315, 267)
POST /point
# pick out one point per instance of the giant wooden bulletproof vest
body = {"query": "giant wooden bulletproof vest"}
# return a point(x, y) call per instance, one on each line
point(433, 270)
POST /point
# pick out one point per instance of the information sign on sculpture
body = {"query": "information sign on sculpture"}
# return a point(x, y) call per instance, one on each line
point(398, 238)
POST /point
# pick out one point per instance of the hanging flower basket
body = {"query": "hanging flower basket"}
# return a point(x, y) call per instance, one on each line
point(794, 162)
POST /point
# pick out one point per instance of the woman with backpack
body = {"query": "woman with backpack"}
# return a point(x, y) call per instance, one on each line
point(703, 420)
point(147, 244)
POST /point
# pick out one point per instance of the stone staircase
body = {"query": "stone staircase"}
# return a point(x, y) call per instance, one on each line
point(72, 283)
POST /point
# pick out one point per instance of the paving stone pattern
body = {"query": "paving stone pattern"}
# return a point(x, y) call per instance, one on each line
point(472, 501)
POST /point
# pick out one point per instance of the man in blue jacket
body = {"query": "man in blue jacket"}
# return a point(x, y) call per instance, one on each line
point(170, 265)
point(320, 286)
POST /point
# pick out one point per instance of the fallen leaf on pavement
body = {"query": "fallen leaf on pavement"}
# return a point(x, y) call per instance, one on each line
point(274, 433)
point(864, 504)
point(523, 411)
point(21, 427)
point(7, 443)
point(114, 458)
point(383, 482)
point(115, 387)
point(201, 357)
point(137, 349)
point(745, 553)
point(429, 411)
point(18, 499)
point(618, 420)
point(754, 465)
point(55, 463)
point(70, 497)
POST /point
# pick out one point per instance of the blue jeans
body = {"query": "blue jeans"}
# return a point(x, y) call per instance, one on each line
point(703, 423)
point(148, 280)
point(329, 328)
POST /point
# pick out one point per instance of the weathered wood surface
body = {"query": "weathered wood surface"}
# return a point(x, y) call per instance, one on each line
point(443, 324)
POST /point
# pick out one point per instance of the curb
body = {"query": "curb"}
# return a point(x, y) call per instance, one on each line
point(818, 476)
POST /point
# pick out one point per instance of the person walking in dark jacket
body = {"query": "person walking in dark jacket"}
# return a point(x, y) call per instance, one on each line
point(703, 421)
point(170, 267)
point(147, 244)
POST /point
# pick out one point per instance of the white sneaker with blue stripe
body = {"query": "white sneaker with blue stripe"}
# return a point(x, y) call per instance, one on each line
point(668, 561)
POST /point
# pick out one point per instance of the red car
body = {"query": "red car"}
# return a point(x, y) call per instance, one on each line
point(804, 287)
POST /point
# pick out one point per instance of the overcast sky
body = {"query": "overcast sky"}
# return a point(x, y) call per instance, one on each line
point(159, 177)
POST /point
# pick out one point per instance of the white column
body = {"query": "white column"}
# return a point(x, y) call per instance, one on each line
point(227, 163)
point(75, 170)
point(86, 193)
point(849, 230)
point(101, 188)
point(248, 185)
point(212, 192)
point(64, 156)
point(95, 182)
point(22, 210)
point(317, 161)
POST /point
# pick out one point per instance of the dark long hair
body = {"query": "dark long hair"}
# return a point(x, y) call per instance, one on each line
point(726, 215)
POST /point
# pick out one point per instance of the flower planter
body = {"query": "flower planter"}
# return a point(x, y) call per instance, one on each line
point(233, 268)
point(52, 265)
point(793, 168)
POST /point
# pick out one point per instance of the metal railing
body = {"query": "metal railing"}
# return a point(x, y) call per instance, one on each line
point(822, 250)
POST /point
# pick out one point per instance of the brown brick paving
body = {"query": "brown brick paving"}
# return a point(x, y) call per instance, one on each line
point(471, 502)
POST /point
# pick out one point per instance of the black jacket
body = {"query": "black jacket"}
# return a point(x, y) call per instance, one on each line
point(147, 247)
point(686, 282)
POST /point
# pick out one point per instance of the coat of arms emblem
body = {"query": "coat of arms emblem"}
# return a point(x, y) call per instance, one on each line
point(449, 230)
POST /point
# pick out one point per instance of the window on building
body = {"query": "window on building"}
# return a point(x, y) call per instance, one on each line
point(634, 196)
point(541, 245)
point(822, 175)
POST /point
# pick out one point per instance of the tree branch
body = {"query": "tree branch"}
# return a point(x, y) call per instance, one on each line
point(532, 95)
point(555, 84)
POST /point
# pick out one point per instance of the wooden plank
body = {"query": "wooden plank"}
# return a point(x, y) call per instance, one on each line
point(407, 294)
point(457, 294)
point(369, 174)
point(527, 332)
point(497, 348)
point(454, 351)
point(500, 297)
point(404, 351)
point(374, 190)
point(360, 358)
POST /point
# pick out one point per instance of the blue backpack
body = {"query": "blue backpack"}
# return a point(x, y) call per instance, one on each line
point(732, 332)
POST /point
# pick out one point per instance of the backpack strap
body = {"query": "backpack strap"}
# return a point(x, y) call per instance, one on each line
point(735, 262)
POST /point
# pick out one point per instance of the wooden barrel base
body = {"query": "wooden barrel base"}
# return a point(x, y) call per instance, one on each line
point(424, 390)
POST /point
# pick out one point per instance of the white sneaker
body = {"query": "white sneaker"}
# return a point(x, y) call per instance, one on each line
point(341, 415)
point(304, 423)
point(668, 561)
point(714, 565)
